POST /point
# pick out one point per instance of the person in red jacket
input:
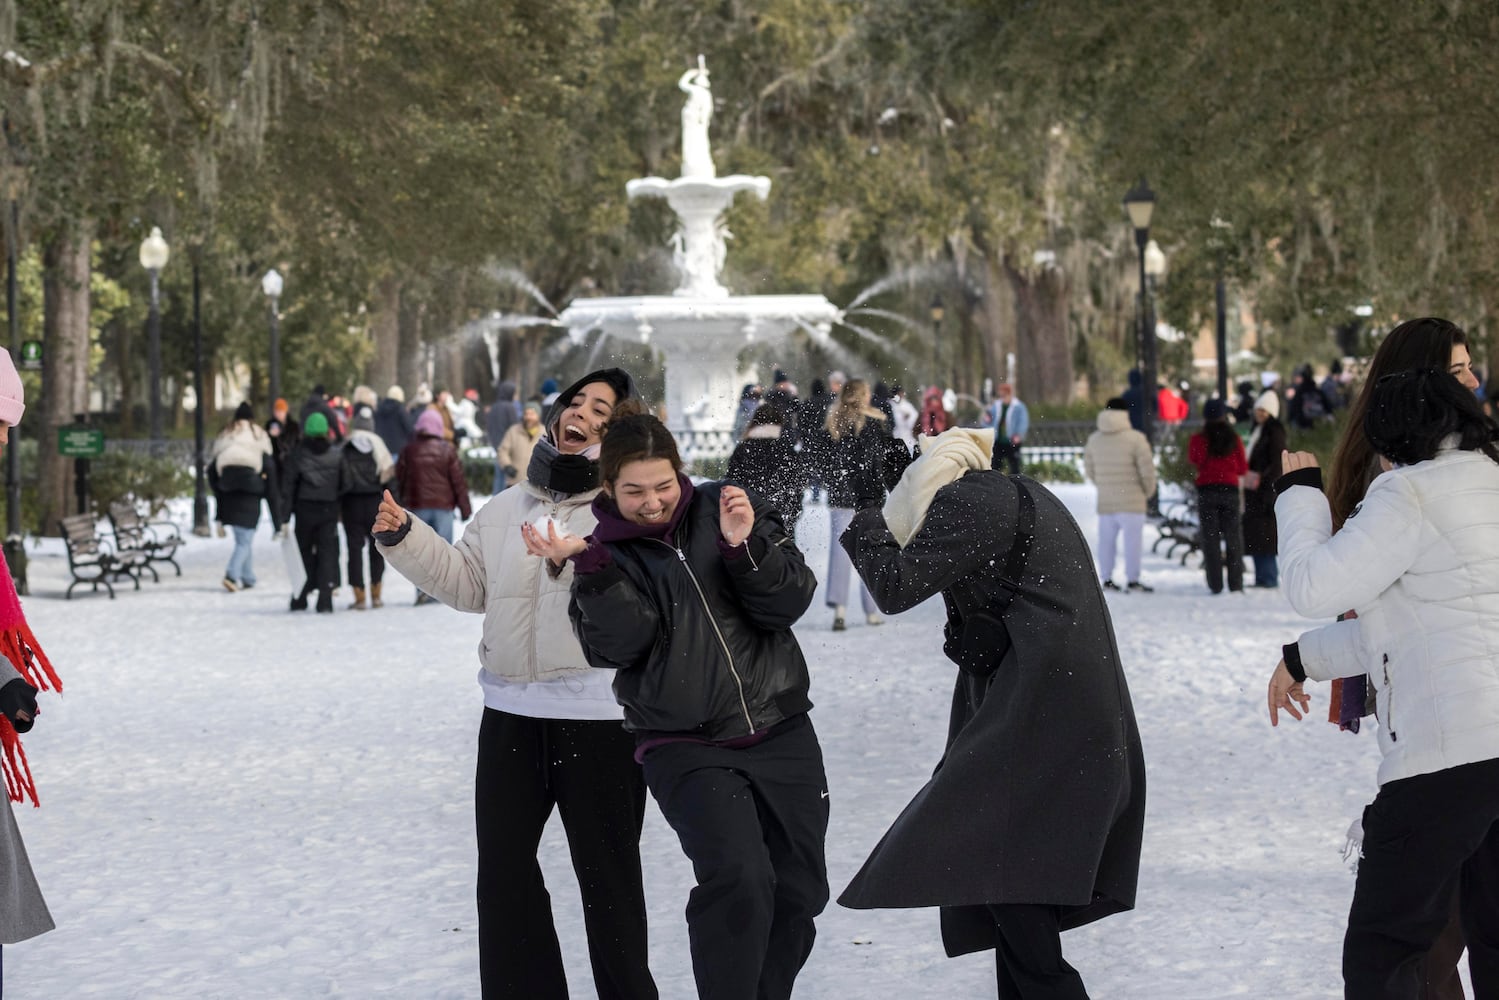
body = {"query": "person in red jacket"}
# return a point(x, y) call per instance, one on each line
point(1218, 455)
point(431, 479)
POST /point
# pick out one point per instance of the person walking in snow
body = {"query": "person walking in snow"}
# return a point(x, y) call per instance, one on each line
point(503, 414)
point(551, 736)
point(1218, 455)
point(310, 500)
point(689, 591)
point(241, 473)
point(1266, 444)
point(431, 479)
point(518, 444)
point(24, 670)
point(1032, 823)
point(849, 451)
point(365, 467)
point(1425, 548)
point(393, 422)
point(1117, 459)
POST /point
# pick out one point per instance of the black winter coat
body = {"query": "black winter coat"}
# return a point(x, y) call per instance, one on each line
point(1260, 535)
point(311, 474)
point(701, 641)
point(394, 424)
point(851, 466)
point(238, 491)
point(772, 470)
point(1040, 797)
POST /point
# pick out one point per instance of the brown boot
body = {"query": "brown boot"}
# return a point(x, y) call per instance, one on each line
point(375, 601)
point(358, 604)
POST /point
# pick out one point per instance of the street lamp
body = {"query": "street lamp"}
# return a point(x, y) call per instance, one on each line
point(936, 311)
point(200, 489)
point(154, 254)
point(272, 284)
point(16, 175)
point(1139, 202)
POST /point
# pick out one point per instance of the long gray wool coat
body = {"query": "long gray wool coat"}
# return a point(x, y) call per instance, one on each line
point(23, 913)
point(1040, 796)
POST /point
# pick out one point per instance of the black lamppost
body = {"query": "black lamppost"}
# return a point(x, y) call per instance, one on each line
point(12, 243)
point(154, 254)
point(1140, 204)
point(272, 284)
point(200, 488)
point(936, 311)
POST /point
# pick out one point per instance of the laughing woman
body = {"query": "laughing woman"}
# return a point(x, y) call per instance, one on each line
point(551, 734)
point(689, 593)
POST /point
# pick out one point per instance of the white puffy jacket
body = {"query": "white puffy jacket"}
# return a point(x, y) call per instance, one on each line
point(527, 634)
point(1118, 460)
point(1419, 562)
point(241, 443)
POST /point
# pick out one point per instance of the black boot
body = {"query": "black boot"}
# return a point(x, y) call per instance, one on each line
point(299, 603)
point(325, 601)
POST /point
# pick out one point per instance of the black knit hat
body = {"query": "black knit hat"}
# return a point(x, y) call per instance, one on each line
point(618, 379)
point(243, 412)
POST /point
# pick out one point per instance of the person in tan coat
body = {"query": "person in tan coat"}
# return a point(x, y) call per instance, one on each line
point(1118, 460)
point(519, 440)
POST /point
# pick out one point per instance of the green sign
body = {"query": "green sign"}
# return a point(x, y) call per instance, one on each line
point(31, 354)
point(80, 442)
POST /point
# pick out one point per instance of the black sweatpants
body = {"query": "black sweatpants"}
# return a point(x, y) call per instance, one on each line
point(1219, 523)
point(752, 821)
point(586, 770)
point(1028, 958)
point(358, 511)
point(316, 528)
point(1425, 837)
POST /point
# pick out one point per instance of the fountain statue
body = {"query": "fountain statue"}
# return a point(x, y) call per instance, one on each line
point(701, 326)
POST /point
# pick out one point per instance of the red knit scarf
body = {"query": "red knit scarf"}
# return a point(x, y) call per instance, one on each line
point(20, 647)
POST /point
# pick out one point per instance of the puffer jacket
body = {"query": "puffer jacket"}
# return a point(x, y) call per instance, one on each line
point(311, 474)
point(701, 637)
point(431, 476)
point(1118, 460)
point(851, 464)
point(242, 444)
point(1419, 561)
point(527, 635)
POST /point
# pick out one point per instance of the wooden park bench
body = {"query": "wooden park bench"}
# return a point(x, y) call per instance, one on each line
point(150, 541)
point(91, 560)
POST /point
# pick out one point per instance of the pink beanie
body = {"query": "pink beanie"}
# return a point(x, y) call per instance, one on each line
point(430, 422)
point(12, 395)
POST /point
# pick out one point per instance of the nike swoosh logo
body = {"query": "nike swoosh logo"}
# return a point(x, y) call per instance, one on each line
point(824, 794)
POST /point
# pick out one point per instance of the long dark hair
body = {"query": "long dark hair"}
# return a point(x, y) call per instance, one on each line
point(1220, 437)
point(1416, 343)
point(635, 437)
point(1411, 414)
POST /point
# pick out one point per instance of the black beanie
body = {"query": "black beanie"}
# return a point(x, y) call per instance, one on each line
point(243, 412)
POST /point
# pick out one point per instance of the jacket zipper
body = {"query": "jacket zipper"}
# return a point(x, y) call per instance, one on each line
point(708, 610)
point(1389, 701)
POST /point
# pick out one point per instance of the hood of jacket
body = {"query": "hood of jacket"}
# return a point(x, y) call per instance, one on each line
point(1113, 421)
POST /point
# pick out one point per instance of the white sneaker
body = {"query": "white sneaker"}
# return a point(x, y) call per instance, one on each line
point(873, 619)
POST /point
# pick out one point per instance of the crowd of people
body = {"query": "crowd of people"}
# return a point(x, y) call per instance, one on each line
point(637, 640)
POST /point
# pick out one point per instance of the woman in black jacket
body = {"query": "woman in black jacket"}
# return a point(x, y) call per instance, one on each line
point(1261, 540)
point(766, 464)
point(310, 495)
point(852, 462)
point(689, 593)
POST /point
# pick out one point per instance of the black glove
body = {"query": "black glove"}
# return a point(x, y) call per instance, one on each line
point(868, 491)
point(19, 697)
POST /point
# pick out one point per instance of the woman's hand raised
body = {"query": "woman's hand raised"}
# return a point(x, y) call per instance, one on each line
point(736, 515)
point(551, 545)
point(391, 515)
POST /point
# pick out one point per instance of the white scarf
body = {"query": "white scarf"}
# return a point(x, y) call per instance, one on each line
point(944, 459)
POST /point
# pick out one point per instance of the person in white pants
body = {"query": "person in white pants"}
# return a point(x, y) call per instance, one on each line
point(1118, 460)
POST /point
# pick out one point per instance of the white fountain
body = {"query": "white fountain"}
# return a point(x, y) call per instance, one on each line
point(701, 327)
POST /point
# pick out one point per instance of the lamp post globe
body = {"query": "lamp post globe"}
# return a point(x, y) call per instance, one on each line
point(936, 312)
point(154, 254)
point(272, 284)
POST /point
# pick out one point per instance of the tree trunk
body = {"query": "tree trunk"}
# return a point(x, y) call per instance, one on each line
point(384, 368)
point(1043, 347)
point(65, 350)
point(995, 318)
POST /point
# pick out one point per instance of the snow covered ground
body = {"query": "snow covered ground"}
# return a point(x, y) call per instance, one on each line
point(242, 802)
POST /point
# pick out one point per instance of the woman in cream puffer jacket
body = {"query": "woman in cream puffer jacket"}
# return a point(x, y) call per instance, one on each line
point(552, 735)
point(1118, 460)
